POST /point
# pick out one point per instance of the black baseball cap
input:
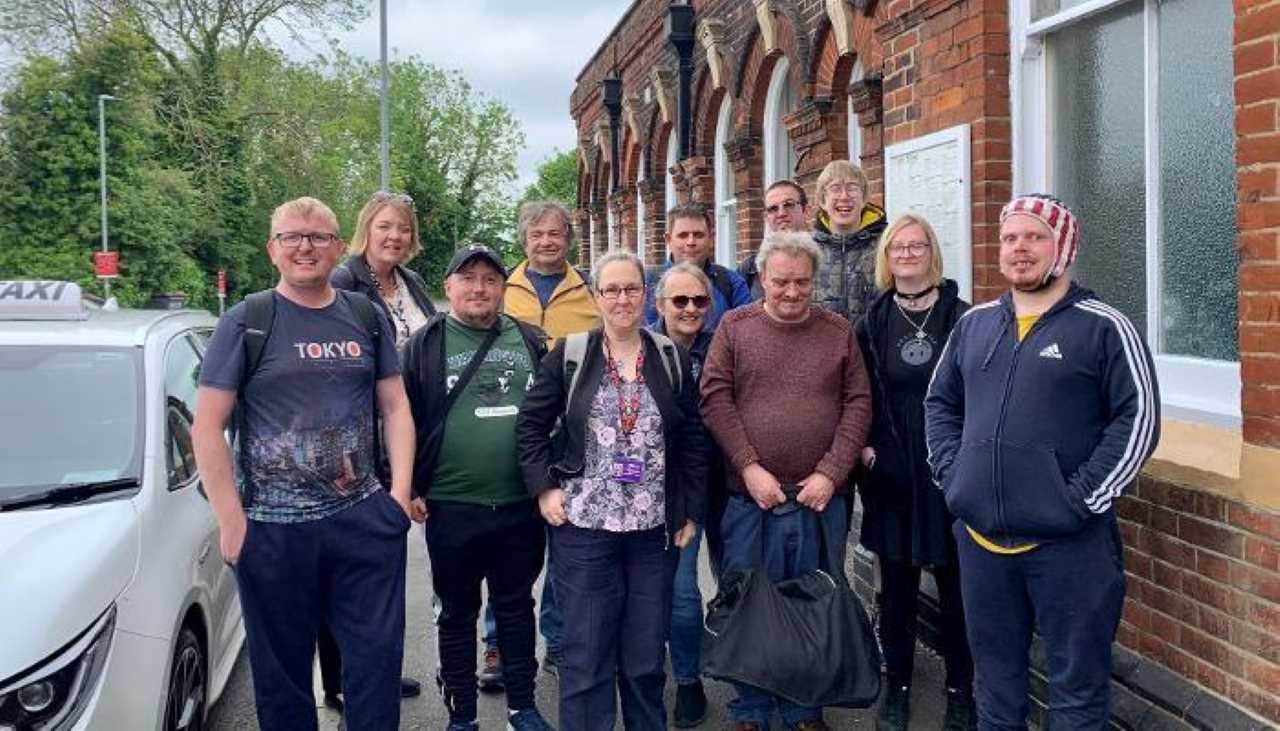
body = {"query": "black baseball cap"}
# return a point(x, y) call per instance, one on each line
point(475, 251)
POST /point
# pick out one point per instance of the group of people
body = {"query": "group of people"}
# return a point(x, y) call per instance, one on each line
point(595, 427)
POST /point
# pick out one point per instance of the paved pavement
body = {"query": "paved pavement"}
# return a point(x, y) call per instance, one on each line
point(235, 710)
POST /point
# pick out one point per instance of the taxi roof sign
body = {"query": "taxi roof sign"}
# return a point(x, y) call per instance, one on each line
point(41, 300)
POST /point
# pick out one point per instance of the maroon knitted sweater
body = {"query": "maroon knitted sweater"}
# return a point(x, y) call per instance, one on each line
point(792, 396)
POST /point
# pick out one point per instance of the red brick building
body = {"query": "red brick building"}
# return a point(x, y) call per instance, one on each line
point(1158, 121)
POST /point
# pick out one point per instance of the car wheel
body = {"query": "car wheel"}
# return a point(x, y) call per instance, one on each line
point(184, 708)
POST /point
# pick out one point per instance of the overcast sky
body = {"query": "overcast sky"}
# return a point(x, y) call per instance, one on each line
point(525, 53)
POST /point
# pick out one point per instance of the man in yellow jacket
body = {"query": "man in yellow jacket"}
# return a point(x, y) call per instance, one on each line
point(543, 289)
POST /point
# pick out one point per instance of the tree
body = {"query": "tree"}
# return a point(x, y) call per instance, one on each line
point(557, 180)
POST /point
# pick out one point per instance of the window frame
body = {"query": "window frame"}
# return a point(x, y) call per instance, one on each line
point(853, 126)
point(640, 222)
point(188, 472)
point(777, 144)
point(726, 231)
point(1192, 388)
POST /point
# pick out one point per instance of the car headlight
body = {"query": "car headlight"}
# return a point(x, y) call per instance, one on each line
point(53, 695)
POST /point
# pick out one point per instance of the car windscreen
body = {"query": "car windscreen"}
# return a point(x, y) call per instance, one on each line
point(69, 415)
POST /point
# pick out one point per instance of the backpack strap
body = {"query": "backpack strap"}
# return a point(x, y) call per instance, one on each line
point(670, 360)
point(575, 349)
point(259, 316)
point(366, 312)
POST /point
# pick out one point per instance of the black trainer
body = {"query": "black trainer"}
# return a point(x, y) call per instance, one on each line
point(691, 705)
point(895, 709)
point(961, 714)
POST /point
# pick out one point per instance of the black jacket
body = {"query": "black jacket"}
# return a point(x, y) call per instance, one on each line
point(546, 461)
point(1032, 440)
point(353, 275)
point(423, 366)
point(904, 517)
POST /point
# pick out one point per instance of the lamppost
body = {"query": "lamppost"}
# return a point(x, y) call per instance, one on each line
point(102, 178)
point(384, 123)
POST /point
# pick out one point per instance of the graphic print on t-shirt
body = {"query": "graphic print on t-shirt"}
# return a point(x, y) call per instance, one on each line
point(307, 447)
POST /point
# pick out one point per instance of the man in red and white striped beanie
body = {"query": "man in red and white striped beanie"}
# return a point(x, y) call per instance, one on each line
point(1054, 214)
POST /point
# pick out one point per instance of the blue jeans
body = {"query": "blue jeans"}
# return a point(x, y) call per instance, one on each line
point(685, 642)
point(616, 594)
point(788, 547)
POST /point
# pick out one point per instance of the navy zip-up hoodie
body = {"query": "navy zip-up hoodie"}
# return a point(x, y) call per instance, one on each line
point(1029, 440)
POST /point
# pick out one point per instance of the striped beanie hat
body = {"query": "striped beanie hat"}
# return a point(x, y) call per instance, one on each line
point(1053, 213)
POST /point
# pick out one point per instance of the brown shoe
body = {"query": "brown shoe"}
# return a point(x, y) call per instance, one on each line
point(816, 724)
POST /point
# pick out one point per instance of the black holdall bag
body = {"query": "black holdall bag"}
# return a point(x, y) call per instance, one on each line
point(806, 639)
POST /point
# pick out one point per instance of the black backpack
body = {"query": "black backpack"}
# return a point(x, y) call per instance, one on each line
point(260, 317)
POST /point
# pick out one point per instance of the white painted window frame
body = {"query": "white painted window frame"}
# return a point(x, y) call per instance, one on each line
point(726, 196)
point(673, 157)
point(854, 127)
point(640, 208)
point(1192, 389)
point(776, 142)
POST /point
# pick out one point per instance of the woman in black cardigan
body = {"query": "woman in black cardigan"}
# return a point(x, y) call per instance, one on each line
point(385, 239)
point(904, 518)
point(622, 482)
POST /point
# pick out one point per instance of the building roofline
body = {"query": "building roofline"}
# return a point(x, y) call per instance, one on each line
point(616, 27)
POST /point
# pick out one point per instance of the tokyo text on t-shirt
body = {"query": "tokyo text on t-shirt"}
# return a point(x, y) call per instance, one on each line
point(306, 446)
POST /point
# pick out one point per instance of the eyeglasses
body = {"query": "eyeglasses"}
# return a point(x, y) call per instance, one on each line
point(293, 239)
point(913, 248)
point(681, 301)
point(384, 195)
point(844, 189)
point(613, 293)
point(786, 206)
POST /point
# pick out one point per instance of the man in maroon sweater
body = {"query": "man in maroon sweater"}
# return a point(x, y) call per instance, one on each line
point(785, 394)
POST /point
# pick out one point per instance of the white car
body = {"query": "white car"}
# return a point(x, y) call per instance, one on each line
point(116, 609)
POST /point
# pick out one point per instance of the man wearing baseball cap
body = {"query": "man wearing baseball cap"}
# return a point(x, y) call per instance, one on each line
point(1042, 410)
point(466, 374)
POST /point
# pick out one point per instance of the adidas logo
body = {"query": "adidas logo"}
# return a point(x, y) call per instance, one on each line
point(1051, 352)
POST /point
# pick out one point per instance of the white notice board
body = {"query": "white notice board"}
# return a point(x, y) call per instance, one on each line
point(929, 176)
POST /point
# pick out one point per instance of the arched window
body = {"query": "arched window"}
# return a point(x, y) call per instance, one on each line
point(779, 101)
point(726, 195)
point(640, 209)
point(855, 130)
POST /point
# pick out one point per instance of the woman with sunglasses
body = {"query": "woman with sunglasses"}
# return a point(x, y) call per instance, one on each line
point(684, 298)
point(385, 239)
point(622, 481)
point(905, 521)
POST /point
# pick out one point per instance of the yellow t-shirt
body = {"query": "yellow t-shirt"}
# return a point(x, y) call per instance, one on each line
point(1024, 326)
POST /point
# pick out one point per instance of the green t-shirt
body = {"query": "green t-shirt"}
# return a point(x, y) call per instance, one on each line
point(478, 456)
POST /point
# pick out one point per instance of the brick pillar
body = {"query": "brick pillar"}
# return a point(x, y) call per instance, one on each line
point(868, 104)
point(581, 234)
point(697, 181)
point(748, 180)
point(655, 219)
point(623, 204)
point(818, 135)
point(1257, 79)
point(600, 229)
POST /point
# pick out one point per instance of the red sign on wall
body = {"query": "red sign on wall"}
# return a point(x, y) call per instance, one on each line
point(222, 281)
point(106, 263)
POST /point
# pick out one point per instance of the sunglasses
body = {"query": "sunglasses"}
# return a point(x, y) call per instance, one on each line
point(682, 301)
point(384, 195)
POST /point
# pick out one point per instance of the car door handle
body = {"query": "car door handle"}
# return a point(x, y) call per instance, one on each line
point(204, 553)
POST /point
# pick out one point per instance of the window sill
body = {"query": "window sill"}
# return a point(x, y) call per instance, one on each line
point(1216, 459)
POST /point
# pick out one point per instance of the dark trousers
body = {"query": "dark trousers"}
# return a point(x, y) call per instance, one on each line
point(345, 571)
point(330, 662)
point(503, 547)
point(614, 591)
point(899, 606)
point(1071, 591)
